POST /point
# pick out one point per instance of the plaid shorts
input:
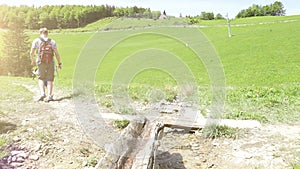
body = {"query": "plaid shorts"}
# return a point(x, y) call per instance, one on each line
point(46, 71)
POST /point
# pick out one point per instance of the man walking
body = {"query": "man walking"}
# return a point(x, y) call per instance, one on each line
point(46, 49)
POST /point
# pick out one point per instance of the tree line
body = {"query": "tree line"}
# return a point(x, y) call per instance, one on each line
point(67, 16)
point(274, 9)
point(135, 12)
point(15, 60)
point(204, 16)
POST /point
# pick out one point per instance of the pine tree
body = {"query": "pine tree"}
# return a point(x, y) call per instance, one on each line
point(16, 46)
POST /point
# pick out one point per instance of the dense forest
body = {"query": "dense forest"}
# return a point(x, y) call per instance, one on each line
point(75, 16)
point(274, 9)
point(66, 16)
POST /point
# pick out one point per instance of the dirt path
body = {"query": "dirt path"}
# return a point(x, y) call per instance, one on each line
point(50, 137)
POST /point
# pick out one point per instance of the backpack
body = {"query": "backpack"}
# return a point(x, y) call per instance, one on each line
point(46, 51)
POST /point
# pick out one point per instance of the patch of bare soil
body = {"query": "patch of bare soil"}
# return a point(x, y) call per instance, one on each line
point(48, 135)
point(271, 146)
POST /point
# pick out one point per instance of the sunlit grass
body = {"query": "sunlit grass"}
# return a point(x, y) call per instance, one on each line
point(259, 58)
point(261, 55)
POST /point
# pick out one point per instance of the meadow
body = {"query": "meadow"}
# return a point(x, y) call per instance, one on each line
point(261, 62)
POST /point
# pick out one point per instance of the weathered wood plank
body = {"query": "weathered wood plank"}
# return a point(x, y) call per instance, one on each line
point(201, 123)
point(192, 124)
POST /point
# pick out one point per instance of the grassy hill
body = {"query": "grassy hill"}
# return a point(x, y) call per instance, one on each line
point(261, 61)
point(257, 54)
point(114, 23)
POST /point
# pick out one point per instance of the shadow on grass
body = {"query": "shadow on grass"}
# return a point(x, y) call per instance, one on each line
point(6, 127)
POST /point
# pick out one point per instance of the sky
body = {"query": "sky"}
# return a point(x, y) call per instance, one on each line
point(172, 7)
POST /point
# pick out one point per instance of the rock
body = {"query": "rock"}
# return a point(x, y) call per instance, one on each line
point(16, 152)
point(195, 145)
point(23, 155)
point(24, 122)
point(197, 158)
point(216, 144)
point(16, 164)
point(61, 150)
point(187, 145)
point(22, 147)
point(33, 157)
point(195, 148)
point(46, 151)
point(30, 130)
point(211, 166)
point(9, 159)
point(198, 133)
point(37, 147)
point(20, 159)
point(84, 164)
point(16, 139)
point(14, 158)
point(66, 141)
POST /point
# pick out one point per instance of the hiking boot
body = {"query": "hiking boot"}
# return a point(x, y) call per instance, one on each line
point(49, 98)
point(41, 98)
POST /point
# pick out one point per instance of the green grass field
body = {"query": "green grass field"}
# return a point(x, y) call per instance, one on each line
point(251, 20)
point(261, 55)
point(261, 61)
point(151, 41)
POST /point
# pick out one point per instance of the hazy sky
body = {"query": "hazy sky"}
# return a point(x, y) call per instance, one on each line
point(172, 7)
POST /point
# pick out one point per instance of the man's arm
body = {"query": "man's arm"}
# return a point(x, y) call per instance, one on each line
point(57, 55)
point(32, 52)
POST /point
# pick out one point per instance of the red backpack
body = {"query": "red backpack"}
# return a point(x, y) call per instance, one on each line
point(46, 51)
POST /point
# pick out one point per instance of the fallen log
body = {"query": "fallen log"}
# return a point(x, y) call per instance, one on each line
point(135, 148)
point(137, 145)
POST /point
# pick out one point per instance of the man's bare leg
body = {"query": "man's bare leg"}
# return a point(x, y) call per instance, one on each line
point(42, 90)
point(49, 89)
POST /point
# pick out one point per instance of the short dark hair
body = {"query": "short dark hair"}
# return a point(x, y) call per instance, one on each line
point(43, 30)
